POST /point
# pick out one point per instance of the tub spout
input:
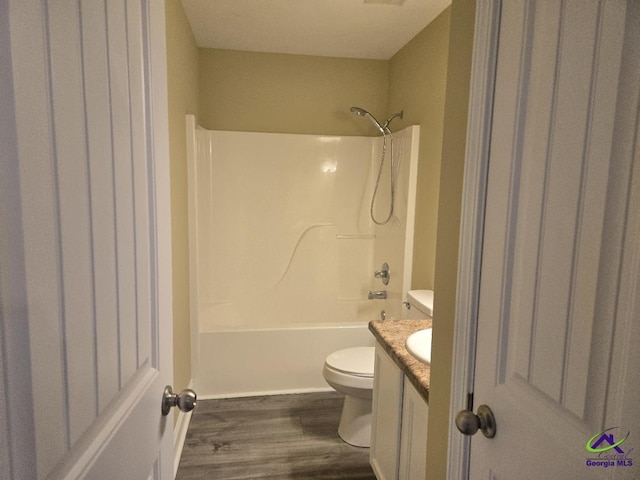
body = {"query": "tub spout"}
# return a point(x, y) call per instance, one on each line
point(379, 294)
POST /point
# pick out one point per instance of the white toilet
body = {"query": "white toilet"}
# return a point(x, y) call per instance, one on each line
point(419, 304)
point(350, 371)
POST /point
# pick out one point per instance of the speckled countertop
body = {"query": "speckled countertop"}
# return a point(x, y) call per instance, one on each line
point(392, 335)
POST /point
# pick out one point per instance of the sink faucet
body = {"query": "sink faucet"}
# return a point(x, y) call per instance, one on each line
point(379, 294)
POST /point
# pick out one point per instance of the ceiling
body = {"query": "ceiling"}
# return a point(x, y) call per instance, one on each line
point(332, 28)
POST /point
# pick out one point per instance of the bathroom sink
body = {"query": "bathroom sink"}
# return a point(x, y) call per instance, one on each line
point(419, 345)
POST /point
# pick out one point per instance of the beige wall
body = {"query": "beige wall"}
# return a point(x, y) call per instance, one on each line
point(450, 202)
point(417, 82)
point(268, 92)
point(182, 80)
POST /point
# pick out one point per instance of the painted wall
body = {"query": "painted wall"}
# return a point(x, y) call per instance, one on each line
point(450, 204)
point(417, 83)
point(182, 84)
point(277, 93)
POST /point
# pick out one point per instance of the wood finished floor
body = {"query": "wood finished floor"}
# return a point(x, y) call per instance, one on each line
point(271, 437)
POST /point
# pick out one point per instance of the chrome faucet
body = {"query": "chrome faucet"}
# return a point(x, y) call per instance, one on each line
point(378, 294)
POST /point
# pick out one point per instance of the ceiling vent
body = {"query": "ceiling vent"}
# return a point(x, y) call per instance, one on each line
point(397, 3)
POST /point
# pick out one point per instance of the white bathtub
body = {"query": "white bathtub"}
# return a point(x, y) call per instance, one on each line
point(236, 363)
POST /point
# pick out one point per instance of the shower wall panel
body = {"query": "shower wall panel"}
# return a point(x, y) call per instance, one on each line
point(282, 229)
point(284, 236)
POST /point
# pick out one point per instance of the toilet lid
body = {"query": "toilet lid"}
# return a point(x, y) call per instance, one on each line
point(355, 361)
point(422, 300)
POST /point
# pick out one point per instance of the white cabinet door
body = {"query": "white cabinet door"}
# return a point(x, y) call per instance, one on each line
point(85, 276)
point(386, 416)
point(557, 357)
point(413, 445)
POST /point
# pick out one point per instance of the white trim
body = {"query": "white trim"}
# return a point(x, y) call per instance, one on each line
point(191, 125)
point(159, 151)
point(180, 435)
point(471, 226)
point(410, 227)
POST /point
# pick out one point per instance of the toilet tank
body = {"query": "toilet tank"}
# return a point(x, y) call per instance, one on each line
point(418, 304)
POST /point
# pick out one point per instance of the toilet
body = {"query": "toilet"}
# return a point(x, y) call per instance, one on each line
point(419, 304)
point(350, 371)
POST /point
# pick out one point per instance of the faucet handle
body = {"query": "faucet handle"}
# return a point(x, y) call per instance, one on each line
point(384, 273)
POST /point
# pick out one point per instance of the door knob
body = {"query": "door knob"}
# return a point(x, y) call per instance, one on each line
point(469, 423)
point(185, 400)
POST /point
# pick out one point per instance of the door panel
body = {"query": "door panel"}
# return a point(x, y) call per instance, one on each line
point(101, 186)
point(558, 295)
point(86, 265)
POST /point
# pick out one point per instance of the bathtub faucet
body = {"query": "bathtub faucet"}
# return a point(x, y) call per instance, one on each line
point(379, 294)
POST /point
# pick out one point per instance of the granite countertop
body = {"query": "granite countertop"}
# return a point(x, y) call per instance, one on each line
point(392, 334)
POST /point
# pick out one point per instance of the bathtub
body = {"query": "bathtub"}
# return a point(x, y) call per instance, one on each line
point(239, 363)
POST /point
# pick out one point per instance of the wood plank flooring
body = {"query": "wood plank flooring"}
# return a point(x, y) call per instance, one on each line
point(271, 437)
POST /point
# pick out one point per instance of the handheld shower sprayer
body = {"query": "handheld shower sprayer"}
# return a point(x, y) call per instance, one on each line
point(384, 129)
point(363, 113)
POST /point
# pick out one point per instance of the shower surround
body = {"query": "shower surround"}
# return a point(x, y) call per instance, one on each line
point(283, 253)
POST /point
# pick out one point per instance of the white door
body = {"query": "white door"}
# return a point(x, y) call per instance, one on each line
point(558, 307)
point(85, 241)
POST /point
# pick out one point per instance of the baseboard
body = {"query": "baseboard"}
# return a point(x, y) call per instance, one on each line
point(264, 393)
point(179, 437)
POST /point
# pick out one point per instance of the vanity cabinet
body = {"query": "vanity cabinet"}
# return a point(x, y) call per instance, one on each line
point(398, 425)
point(413, 434)
point(386, 419)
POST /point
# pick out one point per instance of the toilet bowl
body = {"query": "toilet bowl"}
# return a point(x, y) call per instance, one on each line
point(350, 371)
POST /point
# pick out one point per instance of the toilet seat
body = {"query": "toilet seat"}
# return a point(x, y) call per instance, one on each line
point(356, 361)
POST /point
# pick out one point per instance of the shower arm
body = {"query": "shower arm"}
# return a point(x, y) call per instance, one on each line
point(386, 124)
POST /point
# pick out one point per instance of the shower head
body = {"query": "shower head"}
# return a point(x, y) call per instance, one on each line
point(363, 113)
point(359, 111)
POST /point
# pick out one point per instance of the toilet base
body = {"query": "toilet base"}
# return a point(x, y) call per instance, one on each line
point(355, 421)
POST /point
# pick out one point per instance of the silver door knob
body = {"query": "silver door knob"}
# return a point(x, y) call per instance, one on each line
point(185, 400)
point(469, 423)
